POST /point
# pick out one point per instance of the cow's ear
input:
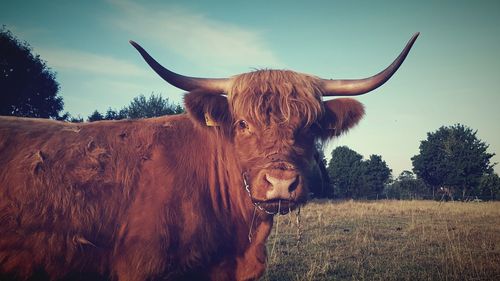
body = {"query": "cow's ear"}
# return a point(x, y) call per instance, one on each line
point(209, 110)
point(340, 116)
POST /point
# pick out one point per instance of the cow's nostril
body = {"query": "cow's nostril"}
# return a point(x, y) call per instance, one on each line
point(283, 185)
point(294, 184)
point(268, 179)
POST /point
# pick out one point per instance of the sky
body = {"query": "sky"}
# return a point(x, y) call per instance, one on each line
point(452, 74)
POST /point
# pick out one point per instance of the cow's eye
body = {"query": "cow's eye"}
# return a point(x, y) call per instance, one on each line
point(242, 124)
point(315, 128)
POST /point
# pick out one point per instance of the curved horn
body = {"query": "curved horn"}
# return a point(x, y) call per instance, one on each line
point(361, 86)
point(216, 85)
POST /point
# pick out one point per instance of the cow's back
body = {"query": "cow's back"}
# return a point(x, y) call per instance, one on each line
point(64, 188)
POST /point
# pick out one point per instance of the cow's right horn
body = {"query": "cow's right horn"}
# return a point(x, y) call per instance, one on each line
point(212, 85)
point(361, 86)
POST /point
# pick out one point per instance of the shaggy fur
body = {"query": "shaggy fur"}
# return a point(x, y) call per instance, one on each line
point(161, 198)
point(281, 94)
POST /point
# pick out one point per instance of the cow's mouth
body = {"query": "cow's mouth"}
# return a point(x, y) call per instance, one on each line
point(276, 206)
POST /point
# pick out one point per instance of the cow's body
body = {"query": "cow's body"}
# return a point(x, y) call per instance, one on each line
point(175, 197)
point(109, 197)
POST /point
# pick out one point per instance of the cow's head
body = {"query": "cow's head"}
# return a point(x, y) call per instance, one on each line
point(274, 118)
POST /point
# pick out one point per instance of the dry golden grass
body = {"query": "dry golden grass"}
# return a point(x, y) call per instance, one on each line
point(387, 240)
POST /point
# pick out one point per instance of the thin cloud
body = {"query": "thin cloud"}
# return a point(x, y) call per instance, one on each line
point(30, 34)
point(66, 59)
point(194, 36)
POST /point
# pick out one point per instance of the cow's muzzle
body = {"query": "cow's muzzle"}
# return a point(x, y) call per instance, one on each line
point(275, 190)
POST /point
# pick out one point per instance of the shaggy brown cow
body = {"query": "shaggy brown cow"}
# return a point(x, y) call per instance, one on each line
point(174, 197)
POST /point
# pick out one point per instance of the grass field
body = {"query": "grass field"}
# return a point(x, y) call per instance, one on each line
point(387, 240)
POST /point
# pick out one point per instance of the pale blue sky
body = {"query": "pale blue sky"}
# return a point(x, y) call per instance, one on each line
point(451, 76)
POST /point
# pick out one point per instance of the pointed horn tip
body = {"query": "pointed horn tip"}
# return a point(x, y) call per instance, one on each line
point(133, 43)
point(412, 40)
point(415, 35)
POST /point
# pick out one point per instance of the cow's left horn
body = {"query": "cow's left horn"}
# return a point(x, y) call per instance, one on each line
point(215, 85)
point(362, 86)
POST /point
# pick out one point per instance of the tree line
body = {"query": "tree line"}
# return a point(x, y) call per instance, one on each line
point(452, 162)
point(139, 107)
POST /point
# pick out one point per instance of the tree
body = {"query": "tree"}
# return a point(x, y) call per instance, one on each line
point(406, 186)
point(353, 177)
point(154, 106)
point(112, 114)
point(345, 171)
point(453, 157)
point(95, 116)
point(489, 186)
point(69, 118)
point(139, 107)
point(376, 175)
point(29, 87)
point(77, 119)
